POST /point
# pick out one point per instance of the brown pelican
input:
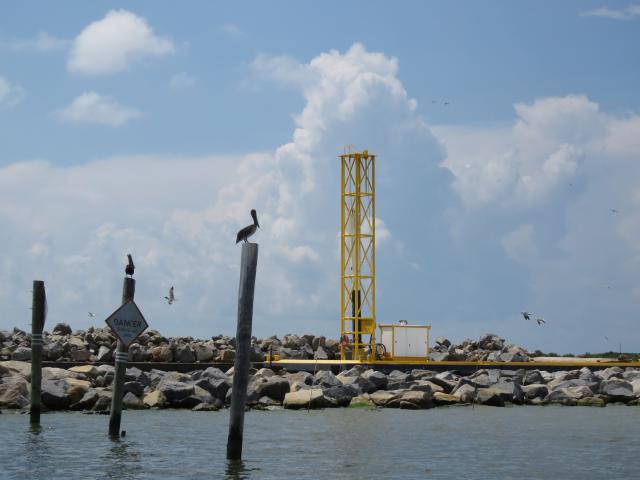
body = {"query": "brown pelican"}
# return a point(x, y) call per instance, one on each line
point(170, 299)
point(526, 315)
point(130, 268)
point(249, 230)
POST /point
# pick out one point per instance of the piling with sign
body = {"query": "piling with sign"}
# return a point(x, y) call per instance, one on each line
point(248, 267)
point(127, 323)
point(38, 317)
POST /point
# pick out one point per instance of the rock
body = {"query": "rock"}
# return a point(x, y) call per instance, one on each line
point(591, 402)
point(161, 354)
point(80, 355)
point(213, 372)
point(579, 392)
point(21, 354)
point(217, 387)
point(382, 397)
point(14, 392)
point(87, 401)
point(411, 399)
point(52, 351)
point(203, 353)
point(617, 389)
point(326, 379)
point(379, 379)
point(134, 387)
point(275, 387)
point(466, 393)
point(301, 377)
point(266, 373)
point(611, 372)
point(320, 354)
point(132, 402)
point(489, 396)
point(12, 367)
point(490, 341)
point(340, 395)
point(631, 374)
point(62, 329)
point(509, 391)
point(226, 356)
point(439, 356)
point(104, 354)
point(574, 382)
point(421, 374)
point(87, 370)
point(184, 354)
point(103, 404)
point(535, 390)
point(440, 398)
point(208, 407)
point(174, 391)
point(533, 377)
point(155, 399)
point(54, 395)
point(313, 398)
point(560, 396)
point(513, 357)
point(361, 401)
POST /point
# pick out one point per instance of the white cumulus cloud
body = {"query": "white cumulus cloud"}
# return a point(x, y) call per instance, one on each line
point(91, 107)
point(41, 42)
point(115, 42)
point(630, 12)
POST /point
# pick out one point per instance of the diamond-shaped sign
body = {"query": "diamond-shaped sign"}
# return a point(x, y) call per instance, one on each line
point(127, 322)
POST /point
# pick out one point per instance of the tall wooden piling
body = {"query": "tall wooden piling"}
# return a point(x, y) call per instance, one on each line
point(248, 267)
point(122, 354)
point(38, 315)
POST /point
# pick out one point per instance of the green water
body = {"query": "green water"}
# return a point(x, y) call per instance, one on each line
point(452, 443)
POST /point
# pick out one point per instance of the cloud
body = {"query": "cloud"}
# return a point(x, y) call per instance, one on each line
point(10, 93)
point(231, 30)
point(631, 12)
point(42, 42)
point(114, 43)
point(91, 107)
point(181, 81)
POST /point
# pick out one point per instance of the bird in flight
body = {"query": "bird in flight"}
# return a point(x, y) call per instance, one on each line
point(92, 315)
point(526, 315)
point(170, 299)
point(249, 230)
point(540, 320)
point(613, 210)
point(447, 103)
point(130, 268)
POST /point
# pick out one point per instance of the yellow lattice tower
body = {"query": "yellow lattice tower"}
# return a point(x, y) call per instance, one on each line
point(358, 247)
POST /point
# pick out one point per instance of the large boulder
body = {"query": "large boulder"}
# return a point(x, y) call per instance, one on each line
point(340, 395)
point(161, 354)
point(411, 399)
point(379, 379)
point(380, 398)
point(489, 396)
point(174, 391)
point(326, 379)
point(312, 398)
point(184, 354)
point(12, 367)
point(560, 396)
point(617, 389)
point(155, 399)
point(509, 391)
point(491, 341)
point(104, 354)
point(21, 354)
point(216, 386)
point(466, 393)
point(203, 353)
point(52, 351)
point(535, 390)
point(274, 387)
point(14, 392)
point(441, 399)
point(62, 329)
point(131, 402)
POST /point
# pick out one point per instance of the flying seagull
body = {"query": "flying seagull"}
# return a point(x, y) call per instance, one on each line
point(170, 299)
point(613, 210)
point(92, 315)
point(249, 230)
point(540, 320)
point(130, 268)
point(526, 315)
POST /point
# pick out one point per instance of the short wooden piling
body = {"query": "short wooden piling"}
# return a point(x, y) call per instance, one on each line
point(37, 325)
point(122, 352)
point(248, 267)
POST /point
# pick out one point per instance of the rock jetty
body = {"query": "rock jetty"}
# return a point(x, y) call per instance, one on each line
point(98, 345)
point(88, 388)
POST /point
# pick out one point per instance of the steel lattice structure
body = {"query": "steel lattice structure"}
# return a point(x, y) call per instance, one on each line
point(357, 253)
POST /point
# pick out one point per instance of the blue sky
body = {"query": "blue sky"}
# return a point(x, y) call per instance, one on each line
point(153, 128)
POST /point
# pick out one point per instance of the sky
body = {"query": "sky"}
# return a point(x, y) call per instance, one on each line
point(507, 138)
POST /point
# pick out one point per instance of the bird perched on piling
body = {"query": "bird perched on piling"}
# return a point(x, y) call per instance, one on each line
point(249, 230)
point(130, 268)
point(170, 299)
point(526, 315)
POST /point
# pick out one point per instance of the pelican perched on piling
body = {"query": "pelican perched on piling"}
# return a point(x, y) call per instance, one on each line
point(130, 268)
point(249, 230)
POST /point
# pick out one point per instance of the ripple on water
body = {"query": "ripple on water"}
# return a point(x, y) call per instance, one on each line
point(478, 443)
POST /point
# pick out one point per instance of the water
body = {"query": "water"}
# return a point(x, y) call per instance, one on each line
point(457, 442)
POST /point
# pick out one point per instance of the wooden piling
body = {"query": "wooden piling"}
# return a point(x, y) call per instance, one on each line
point(248, 267)
point(122, 353)
point(37, 325)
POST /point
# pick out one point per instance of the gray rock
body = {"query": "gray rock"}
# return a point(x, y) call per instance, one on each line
point(14, 392)
point(443, 341)
point(312, 398)
point(439, 356)
point(54, 395)
point(535, 390)
point(217, 387)
point(320, 354)
point(443, 399)
point(213, 372)
point(184, 354)
point(208, 407)
point(491, 341)
point(104, 354)
point(326, 379)
point(174, 391)
point(617, 389)
point(411, 399)
point(340, 395)
point(21, 354)
point(611, 372)
point(52, 351)
point(489, 396)
point(379, 379)
point(136, 388)
point(204, 353)
point(62, 329)
point(561, 397)
point(275, 387)
point(80, 355)
point(131, 402)
point(509, 391)
point(87, 401)
point(533, 377)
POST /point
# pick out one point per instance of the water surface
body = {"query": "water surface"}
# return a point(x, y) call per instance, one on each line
point(453, 443)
